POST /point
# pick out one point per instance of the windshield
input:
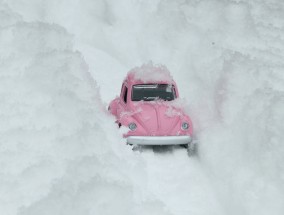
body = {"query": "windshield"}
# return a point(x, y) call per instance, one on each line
point(151, 92)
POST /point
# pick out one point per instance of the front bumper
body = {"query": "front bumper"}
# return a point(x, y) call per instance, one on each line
point(158, 140)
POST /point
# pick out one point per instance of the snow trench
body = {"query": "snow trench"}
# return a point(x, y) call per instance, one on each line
point(61, 63)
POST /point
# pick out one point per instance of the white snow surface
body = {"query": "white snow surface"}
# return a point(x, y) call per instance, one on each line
point(150, 73)
point(61, 62)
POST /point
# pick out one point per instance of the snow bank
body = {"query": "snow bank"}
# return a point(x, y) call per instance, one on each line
point(227, 59)
point(56, 154)
point(243, 149)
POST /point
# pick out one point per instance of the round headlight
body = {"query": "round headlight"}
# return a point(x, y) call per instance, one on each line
point(184, 125)
point(132, 126)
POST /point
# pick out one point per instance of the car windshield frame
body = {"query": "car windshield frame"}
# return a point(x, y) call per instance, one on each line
point(153, 92)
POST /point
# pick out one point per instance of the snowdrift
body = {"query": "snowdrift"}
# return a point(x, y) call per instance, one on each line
point(227, 59)
point(56, 154)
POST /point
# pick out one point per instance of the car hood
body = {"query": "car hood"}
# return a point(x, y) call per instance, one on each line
point(157, 118)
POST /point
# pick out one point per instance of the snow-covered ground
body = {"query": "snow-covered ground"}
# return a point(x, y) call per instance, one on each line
point(61, 62)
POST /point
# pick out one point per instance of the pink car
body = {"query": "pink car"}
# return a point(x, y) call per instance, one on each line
point(148, 107)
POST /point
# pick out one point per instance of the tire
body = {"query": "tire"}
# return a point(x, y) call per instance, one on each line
point(137, 148)
point(192, 149)
point(184, 146)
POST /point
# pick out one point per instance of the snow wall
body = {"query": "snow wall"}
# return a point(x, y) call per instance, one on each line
point(62, 62)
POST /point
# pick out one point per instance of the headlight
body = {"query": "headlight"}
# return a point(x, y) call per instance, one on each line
point(132, 126)
point(184, 125)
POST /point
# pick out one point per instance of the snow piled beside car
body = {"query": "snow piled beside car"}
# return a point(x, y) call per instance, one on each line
point(227, 58)
point(55, 148)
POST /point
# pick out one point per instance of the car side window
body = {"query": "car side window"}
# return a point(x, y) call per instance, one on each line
point(174, 90)
point(125, 95)
point(121, 91)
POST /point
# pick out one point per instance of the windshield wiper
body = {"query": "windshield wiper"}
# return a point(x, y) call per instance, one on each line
point(150, 98)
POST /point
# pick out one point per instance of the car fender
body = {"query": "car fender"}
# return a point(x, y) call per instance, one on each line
point(113, 106)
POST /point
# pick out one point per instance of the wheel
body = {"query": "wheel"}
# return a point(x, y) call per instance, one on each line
point(192, 148)
point(184, 146)
point(137, 148)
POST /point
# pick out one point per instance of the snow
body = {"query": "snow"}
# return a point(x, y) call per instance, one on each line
point(150, 73)
point(62, 62)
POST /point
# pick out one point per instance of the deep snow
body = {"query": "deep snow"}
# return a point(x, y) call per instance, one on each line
point(62, 62)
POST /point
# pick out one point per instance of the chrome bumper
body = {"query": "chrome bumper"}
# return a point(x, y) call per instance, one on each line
point(158, 140)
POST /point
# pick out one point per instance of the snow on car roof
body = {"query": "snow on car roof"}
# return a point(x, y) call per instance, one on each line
point(150, 73)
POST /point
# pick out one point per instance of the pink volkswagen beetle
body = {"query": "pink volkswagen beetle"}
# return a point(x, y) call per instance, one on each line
point(148, 107)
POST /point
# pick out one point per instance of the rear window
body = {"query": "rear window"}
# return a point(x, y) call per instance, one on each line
point(151, 92)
